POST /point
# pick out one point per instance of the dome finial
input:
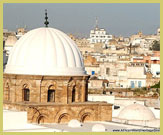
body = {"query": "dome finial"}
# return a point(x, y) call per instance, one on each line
point(46, 19)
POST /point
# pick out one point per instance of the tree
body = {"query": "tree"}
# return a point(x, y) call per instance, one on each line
point(156, 46)
point(156, 85)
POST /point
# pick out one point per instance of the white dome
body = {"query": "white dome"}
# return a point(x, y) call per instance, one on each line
point(74, 123)
point(45, 51)
point(98, 128)
point(136, 112)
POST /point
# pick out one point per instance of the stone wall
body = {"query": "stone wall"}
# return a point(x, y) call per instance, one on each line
point(15, 106)
point(39, 86)
point(70, 94)
point(64, 113)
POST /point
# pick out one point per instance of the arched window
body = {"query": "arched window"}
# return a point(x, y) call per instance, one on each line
point(111, 92)
point(51, 95)
point(41, 120)
point(26, 94)
point(73, 95)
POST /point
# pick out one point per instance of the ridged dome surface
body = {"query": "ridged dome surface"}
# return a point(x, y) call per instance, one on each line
point(45, 51)
point(136, 112)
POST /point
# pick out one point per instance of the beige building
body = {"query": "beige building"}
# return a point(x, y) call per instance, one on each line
point(20, 32)
point(136, 75)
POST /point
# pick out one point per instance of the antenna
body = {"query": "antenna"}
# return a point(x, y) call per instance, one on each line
point(46, 19)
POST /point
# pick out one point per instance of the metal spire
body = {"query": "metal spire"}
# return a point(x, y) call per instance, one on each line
point(46, 19)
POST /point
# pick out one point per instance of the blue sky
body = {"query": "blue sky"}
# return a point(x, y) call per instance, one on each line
point(79, 19)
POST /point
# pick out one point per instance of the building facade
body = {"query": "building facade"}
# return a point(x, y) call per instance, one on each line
point(99, 36)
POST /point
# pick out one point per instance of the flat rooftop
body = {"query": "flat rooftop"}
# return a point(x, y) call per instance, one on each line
point(15, 121)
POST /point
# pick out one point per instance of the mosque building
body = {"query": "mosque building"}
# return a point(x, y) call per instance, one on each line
point(46, 77)
point(99, 35)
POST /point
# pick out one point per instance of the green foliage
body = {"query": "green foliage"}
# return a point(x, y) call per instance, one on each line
point(156, 85)
point(140, 91)
point(156, 46)
point(144, 88)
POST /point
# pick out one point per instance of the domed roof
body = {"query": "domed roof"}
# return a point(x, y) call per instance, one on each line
point(45, 51)
point(74, 123)
point(98, 128)
point(136, 112)
point(11, 40)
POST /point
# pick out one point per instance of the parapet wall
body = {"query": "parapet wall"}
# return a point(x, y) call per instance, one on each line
point(64, 113)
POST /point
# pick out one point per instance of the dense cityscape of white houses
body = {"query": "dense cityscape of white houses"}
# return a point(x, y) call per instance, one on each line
point(123, 71)
point(112, 62)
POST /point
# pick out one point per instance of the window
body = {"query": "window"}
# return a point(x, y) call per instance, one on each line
point(155, 61)
point(111, 92)
point(139, 84)
point(157, 73)
point(26, 94)
point(51, 95)
point(107, 71)
point(132, 84)
point(93, 72)
point(73, 95)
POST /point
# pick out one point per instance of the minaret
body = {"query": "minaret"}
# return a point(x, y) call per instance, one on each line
point(96, 24)
point(46, 19)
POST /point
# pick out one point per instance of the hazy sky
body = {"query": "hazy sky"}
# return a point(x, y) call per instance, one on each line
point(79, 19)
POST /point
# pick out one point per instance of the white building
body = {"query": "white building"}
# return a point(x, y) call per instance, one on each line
point(136, 75)
point(155, 69)
point(99, 35)
point(136, 41)
point(9, 43)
